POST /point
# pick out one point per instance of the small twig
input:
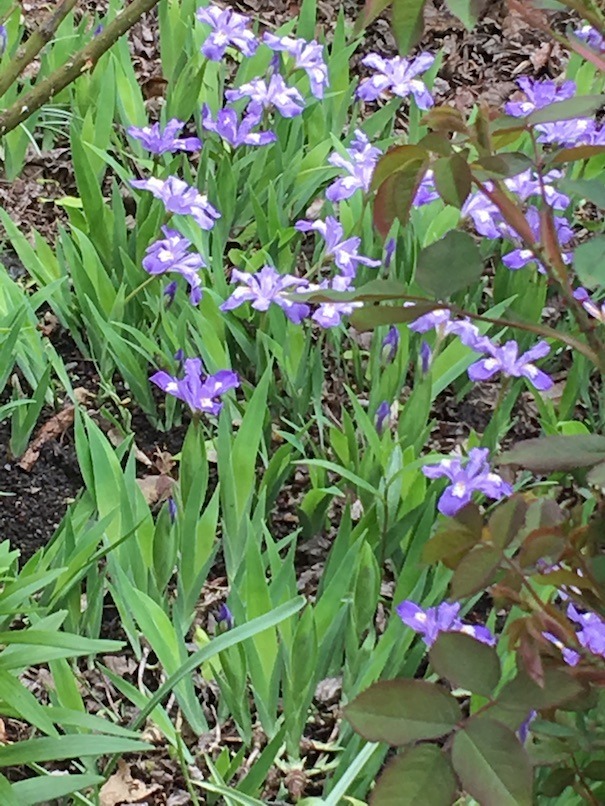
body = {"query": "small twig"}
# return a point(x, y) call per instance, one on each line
point(82, 61)
point(28, 52)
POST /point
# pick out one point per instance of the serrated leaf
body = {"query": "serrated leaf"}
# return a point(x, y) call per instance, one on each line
point(475, 571)
point(557, 782)
point(591, 189)
point(371, 316)
point(492, 765)
point(449, 265)
point(449, 545)
point(502, 166)
point(567, 155)
point(466, 663)
point(507, 520)
point(579, 107)
point(421, 774)
point(589, 262)
point(556, 453)
point(403, 711)
point(453, 179)
point(523, 693)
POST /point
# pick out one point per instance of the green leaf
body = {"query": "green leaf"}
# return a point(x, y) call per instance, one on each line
point(492, 765)
point(507, 520)
point(556, 453)
point(579, 107)
point(593, 190)
point(504, 165)
point(525, 694)
point(407, 19)
point(449, 265)
point(396, 179)
point(371, 316)
point(369, 12)
point(46, 788)
point(589, 262)
point(475, 571)
point(403, 711)
point(467, 11)
point(466, 663)
point(557, 782)
point(574, 154)
point(453, 179)
point(422, 774)
point(16, 696)
point(78, 746)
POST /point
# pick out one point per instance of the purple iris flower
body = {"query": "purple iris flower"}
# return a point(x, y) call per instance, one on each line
point(592, 308)
point(441, 321)
point(171, 253)
point(579, 131)
point(228, 28)
point(159, 142)
point(265, 287)
point(172, 509)
point(524, 727)
point(225, 616)
point(506, 359)
point(382, 413)
point(344, 252)
point(591, 36)
point(200, 391)
point(570, 656)
point(592, 633)
point(438, 319)
point(432, 621)
point(329, 314)
point(475, 476)
point(308, 56)
point(180, 198)
point(262, 95)
point(485, 216)
point(520, 257)
point(389, 251)
point(426, 357)
point(228, 128)
point(390, 344)
point(399, 76)
point(426, 192)
point(362, 159)
point(527, 184)
point(538, 94)
point(169, 292)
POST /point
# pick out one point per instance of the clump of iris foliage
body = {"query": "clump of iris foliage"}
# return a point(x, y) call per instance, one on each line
point(299, 281)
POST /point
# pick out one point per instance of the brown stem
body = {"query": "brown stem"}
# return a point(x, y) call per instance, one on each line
point(40, 37)
point(584, 788)
point(82, 61)
point(511, 215)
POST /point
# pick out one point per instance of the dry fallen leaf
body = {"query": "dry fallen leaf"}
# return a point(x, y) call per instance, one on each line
point(51, 429)
point(156, 488)
point(121, 788)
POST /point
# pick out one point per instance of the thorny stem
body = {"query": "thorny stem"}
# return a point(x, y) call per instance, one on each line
point(81, 62)
point(598, 350)
point(561, 277)
point(28, 52)
point(540, 330)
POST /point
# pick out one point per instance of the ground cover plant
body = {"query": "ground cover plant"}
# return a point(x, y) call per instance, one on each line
point(275, 267)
